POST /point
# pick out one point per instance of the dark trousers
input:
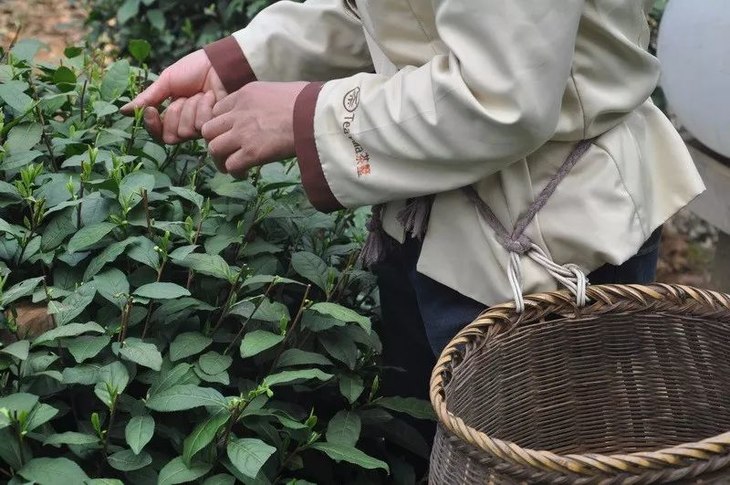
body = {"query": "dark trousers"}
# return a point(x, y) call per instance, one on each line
point(420, 316)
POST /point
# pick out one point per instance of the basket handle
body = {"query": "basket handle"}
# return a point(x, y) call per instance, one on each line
point(518, 244)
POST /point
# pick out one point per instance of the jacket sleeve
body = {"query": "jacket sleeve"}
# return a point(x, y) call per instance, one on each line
point(316, 40)
point(491, 98)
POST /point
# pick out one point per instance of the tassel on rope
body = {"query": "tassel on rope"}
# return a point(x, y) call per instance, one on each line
point(415, 215)
point(374, 249)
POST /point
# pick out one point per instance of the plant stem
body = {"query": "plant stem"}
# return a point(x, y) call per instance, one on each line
point(14, 40)
point(290, 332)
point(147, 321)
point(227, 305)
point(82, 101)
point(125, 321)
point(146, 203)
point(243, 325)
point(78, 212)
point(195, 241)
point(112, 414)
point(20, 444)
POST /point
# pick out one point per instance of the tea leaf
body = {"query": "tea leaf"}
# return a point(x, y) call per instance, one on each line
point(176, 471)
point(255, 342)
point(248, 455)
point(350, 454)
point(185, 396)
point(139, 431)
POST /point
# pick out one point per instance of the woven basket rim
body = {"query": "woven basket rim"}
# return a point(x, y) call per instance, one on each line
point(603, 299)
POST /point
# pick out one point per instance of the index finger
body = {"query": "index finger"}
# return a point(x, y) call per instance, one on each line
point(154, 95)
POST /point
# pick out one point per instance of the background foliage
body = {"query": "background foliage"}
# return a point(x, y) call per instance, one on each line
point(174, 27)
point(200, 328)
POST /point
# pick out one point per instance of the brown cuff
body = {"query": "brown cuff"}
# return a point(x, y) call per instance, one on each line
point(315, 184)
point(230, 63)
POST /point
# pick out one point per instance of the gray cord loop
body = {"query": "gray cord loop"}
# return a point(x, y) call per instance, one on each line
point(518, 244)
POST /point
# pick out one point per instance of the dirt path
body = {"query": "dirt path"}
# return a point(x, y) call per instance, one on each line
point(57, 23)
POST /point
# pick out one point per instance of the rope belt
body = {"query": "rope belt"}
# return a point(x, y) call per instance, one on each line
point(414, 219)
point(518, 244)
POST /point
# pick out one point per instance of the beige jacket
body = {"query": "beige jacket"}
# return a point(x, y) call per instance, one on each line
point(427, 96)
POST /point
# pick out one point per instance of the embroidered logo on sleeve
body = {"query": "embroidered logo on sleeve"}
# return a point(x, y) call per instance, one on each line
point(351, 101)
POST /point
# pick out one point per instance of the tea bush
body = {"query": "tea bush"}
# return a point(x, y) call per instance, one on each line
point(199, 328)
point(174, 27)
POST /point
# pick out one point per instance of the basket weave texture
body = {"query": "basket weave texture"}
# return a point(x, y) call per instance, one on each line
point(633, 388)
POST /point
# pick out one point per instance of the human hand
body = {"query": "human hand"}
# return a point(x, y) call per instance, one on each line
point(193, 85)
point(253, 126)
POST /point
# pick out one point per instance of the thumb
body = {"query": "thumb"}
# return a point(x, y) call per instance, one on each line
point(153, 123)
point(154, 95)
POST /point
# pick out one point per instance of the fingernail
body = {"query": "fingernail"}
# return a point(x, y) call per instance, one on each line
point(126, 107)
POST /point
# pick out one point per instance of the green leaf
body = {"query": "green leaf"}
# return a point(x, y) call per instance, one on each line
point(255, 342)
point(213, 363)
point(20, 290)
point(104, 481)
point(190, 195)
point(140, 49)
point(144, 251)
point(52, 471)
point(290, 376)
point(185, 396)
point(128, 460)
point(341, 348)
point(411, 406)
point(89, 236)
point(132, 185)
point(115, 80)
point(203, 434)
point(295, 357)
point(128, 10)
point(69, 330)
point(220, 378)
point(15, 98)
point(11, 451)
point(108, 255)
point(142, 353)
point(86, 375)
point(350, 454)
point(227, 186)
point(71, 438)
point(266, 279)
point(26, 49)
point(176, 471)
point(249, 455)
point(23, 137)
point(19, 349)
point(344, 428)
point(114, 379)
point(161, 291)
point(103, 108)
point(74, 304)
point(222, 479)
point(113, 285)
point(172, 377)
point(188, 344)
point(139, 432)
point(65, 79)
point(341, 313)
point(311, 267)
point(207, 264)
point(351, 387)
point(86, 347)
point(39, 416)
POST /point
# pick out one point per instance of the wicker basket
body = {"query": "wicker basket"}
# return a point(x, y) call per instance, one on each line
point(633, 388)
